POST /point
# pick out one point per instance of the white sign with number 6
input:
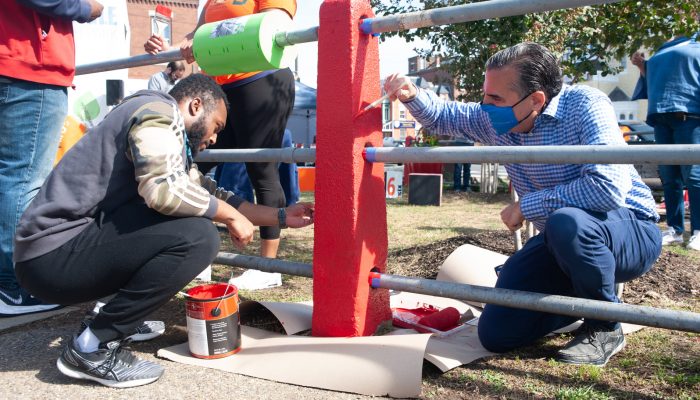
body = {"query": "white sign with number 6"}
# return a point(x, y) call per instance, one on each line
point(393, 184)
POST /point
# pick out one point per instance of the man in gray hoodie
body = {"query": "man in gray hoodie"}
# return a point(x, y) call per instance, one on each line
point(126, 212)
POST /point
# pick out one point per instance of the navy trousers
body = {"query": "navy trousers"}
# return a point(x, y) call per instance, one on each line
point(579, 254)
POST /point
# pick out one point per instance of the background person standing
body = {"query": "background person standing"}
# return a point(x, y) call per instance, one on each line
point(37, 65)
point(462, 171)
point(165, 80)
point(670, 79)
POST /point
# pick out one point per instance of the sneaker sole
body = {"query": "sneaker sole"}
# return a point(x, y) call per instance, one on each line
point(70, 372)
point(599, 364)
point(14, 311)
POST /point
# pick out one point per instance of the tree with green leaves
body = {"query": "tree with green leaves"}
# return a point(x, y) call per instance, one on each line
point(587, 39)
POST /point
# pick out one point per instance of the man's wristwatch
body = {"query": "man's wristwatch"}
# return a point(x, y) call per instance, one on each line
point(282, 217)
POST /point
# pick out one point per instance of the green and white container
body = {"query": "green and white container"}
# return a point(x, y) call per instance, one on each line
point(243, 44)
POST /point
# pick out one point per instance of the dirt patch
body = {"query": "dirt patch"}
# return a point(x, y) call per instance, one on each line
point(656, 364)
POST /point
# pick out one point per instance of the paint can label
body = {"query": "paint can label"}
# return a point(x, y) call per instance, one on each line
point(213, 321)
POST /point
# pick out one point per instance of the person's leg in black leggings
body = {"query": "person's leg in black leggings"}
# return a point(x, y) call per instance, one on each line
point(259, 113)
point(142, 256)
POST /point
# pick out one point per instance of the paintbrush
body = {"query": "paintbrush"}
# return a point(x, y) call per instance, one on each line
point(372, 105)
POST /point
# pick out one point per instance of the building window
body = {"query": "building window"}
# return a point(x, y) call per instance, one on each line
point(386, 112)
point(630, 117)
point(622, 117)
point(160, 25)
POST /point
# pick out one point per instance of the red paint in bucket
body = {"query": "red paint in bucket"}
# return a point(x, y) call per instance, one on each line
point(213, 322)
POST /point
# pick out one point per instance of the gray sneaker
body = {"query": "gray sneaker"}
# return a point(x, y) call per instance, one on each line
point(111, 365)
point(592, 346)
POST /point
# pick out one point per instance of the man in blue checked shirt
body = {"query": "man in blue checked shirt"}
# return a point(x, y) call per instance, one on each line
point(597, 222)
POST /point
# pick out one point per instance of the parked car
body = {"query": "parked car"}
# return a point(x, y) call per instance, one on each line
point(391, 142)
point(636, 132)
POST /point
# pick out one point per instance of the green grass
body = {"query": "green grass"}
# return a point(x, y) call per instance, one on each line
point(581, 393)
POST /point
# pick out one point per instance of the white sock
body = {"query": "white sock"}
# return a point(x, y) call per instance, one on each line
point(87, 341)
point(98, 307)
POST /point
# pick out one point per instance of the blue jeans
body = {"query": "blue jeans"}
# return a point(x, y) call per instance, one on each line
point(31, 118)
point(580, 254)
point(234, 177)
point(462, 173)
point(669, 130)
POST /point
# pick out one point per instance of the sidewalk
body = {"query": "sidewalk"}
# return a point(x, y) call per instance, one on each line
point(28, 370)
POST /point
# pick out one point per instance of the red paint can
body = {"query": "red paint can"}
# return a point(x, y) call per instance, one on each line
point(213, 320)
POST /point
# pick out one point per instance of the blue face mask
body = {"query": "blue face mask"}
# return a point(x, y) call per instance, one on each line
point(503, 119)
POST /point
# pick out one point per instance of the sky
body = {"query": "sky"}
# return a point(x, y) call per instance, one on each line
point(393, 53)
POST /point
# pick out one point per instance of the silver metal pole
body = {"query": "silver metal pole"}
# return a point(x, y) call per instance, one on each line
point(469, 12)
point(265, 264)
point(575, 307)
point(675, 154)
point(282, 39)
point(287, 155)
point(295, 37)
point(438, 16)
point(572, 306)
point(129, 62)
point(639, 154)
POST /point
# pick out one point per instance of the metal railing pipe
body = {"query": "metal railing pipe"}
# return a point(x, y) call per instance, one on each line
point(265, 264)
point(674, 154)
point(287, 155)
point(572, 306)
point(562, 305)
point(420, 19)
point(469, 12)
point(129, 62)
point(296, 37)
point(282, 39)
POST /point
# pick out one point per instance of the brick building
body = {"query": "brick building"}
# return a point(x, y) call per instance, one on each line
point(141, 15)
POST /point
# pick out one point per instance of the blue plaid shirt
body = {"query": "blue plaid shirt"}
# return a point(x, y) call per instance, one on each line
point(578, 115)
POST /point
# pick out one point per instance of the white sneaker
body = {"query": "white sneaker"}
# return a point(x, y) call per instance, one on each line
point(694, 242)
point(671, 237)
point(253, 279)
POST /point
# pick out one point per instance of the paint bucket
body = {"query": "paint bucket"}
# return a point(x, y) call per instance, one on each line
point(213, 321)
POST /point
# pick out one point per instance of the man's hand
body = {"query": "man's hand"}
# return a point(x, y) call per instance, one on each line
point(512, 217)
point(95, 10)
point(300, 215)
point(638, 60)
point(155, 44)
point(400, 87)
point(239, 226)
point(186, 48)
point(241, 231)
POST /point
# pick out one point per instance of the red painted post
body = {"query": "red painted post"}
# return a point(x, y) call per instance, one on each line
point(350, 235)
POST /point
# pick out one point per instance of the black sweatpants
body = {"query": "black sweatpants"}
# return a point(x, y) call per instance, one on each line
point(258, 115)
point(136, 253)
